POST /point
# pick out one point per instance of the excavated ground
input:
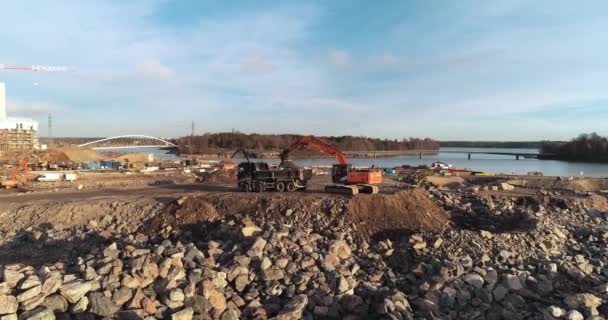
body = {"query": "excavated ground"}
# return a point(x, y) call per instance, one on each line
point(426, 252)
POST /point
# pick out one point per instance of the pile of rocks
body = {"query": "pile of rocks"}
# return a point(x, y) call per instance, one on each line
point(500, 258)
point(245, 271)
point(554, 268)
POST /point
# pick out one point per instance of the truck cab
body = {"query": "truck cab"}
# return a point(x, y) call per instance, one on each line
point(249, 170)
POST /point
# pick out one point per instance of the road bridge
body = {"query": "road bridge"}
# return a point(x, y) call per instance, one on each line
point(420, 153)
point(128, 141)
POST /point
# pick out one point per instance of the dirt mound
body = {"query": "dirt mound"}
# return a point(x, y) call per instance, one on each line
point(220, 177)
point(407, 210)
point(51, 155)
point(596, 202)
point(68, 154)
point(447, 182)
point(371, 215)
point(185, 213)
point(133, 157)
point(81, 155)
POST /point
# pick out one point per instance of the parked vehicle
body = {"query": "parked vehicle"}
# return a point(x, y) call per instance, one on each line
point(438, 165)
point(258, 177)
point(55, 176)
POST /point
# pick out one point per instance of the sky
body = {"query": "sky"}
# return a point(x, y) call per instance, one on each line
point(448, 70)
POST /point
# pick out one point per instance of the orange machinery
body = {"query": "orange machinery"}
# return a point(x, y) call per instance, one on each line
point(13, 181)
point(355, 179)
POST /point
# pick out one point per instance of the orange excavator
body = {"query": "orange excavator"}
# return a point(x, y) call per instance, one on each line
point(352, 180)
point(14, 181)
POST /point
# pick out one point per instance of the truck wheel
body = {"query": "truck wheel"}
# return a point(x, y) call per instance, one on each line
point(245, 187)
point(259, 187)
point(291, 187)
point(280, 186)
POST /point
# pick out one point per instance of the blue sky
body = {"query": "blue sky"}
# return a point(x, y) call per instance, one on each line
point(450, 70)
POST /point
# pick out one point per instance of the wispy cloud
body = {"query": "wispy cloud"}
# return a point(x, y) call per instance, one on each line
point(155, 69)
point(340, 58)
point(297, 62)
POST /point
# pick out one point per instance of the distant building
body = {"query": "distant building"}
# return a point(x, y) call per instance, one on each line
point(16, 133)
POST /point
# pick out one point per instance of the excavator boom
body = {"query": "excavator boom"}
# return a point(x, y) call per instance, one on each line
point(320, 144)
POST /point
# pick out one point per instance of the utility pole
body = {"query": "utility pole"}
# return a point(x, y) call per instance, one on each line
point(50, 124)
point(192, 138)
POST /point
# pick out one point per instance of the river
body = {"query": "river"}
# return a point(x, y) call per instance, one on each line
point(478, 162)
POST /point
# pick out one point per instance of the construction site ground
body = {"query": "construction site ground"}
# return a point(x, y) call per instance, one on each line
point(419, 239)
point(97, 194)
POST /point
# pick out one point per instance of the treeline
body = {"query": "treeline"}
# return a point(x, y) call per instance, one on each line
point(65, 140)
point(212, 142)
point(492, 144)
point(586, 147)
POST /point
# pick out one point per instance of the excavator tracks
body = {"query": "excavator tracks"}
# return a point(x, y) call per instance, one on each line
point(342, 189)
point(367, 188)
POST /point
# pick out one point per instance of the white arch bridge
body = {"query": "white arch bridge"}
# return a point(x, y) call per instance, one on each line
point(128, 141)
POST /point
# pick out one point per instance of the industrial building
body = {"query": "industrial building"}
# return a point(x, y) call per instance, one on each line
point(16, 133)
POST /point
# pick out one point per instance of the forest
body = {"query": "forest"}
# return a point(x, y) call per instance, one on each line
point(211, 142)
point(586, 147)
point(492, 144)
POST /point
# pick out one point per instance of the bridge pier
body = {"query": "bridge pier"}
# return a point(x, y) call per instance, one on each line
point(516, 157)
point(469, 156)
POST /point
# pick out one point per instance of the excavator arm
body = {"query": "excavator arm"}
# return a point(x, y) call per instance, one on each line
point(317, 143)
point(245, 153)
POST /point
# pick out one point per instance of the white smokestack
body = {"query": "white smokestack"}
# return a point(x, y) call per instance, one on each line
point(2, 102)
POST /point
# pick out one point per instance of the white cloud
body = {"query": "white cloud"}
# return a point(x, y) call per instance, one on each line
point(340, 58)
point(388, 59)
point(257, 65)
point(155, 69)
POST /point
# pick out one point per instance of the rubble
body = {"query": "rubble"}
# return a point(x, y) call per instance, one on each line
point(488, 258)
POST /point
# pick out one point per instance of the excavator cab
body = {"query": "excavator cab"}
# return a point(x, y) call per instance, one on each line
point(339, 172)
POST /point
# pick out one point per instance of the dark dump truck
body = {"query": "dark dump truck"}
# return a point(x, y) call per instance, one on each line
point(258, 177)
